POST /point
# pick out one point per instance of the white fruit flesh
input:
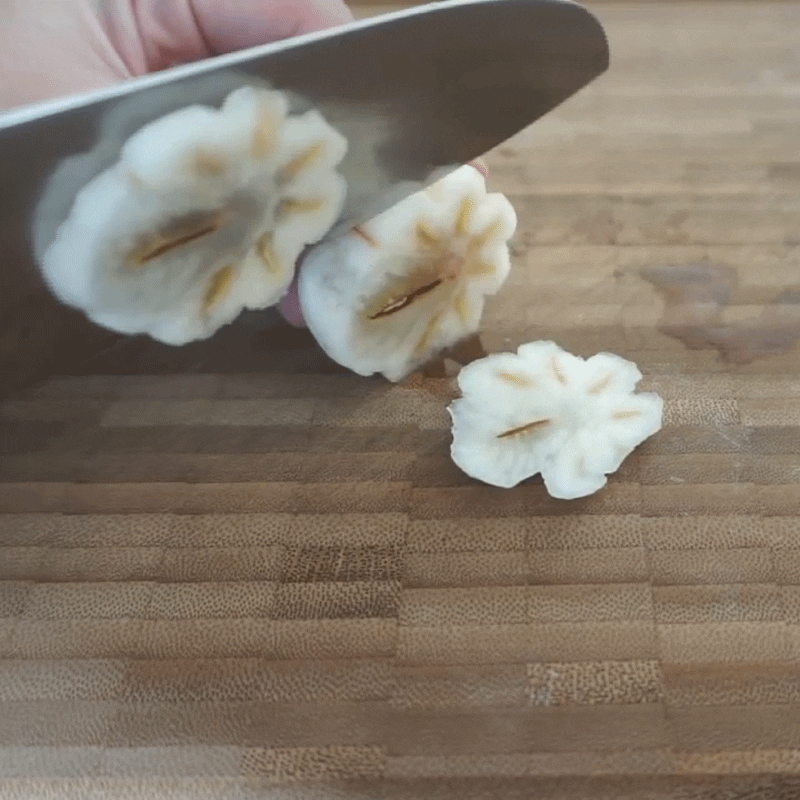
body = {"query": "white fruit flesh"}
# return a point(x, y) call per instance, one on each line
point(204, 214)
point(544, 411)
point(390, 294)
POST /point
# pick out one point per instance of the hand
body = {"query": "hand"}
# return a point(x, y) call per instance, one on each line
point(50, 48)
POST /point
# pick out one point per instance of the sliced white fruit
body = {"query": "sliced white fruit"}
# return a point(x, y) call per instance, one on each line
point(543, 410)
point(204, 214)
point(390, 294)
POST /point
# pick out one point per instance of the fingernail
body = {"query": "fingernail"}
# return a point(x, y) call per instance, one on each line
point(481, 166)
point(289, 307)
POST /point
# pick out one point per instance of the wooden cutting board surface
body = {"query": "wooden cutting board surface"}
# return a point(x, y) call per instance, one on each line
point(237, 571)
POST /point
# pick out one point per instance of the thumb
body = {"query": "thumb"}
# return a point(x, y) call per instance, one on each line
point(151, 35)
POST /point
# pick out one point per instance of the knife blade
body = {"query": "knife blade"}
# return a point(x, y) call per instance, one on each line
point(415, 92)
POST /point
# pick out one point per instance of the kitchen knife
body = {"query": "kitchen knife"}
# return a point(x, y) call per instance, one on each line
point(415, 92)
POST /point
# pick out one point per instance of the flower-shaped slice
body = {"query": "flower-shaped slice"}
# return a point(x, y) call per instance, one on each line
point(543, 410)
point(390, 294)
point(204, 214)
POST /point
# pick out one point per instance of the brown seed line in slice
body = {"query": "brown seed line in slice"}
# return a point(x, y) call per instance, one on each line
point(601, 385)
point(426, 334)
point(210, 164)
point(176, 235)
point(556, 367)
point(517, 380)
point(464, 216)
point(301, 161)
point(460, 305)
point(393, 306)
point(265, 134)
point(370, 240)
point(426, 237)
point(480, 269)
point(218, 286)
point(491, 231)
point(290, 206)
point(265, 249)
point(626, 415)
point(523, 429)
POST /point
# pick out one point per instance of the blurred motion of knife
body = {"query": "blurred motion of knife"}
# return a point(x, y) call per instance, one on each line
point(415, 92)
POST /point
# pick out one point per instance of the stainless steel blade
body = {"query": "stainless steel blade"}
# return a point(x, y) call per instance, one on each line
point(414, 92)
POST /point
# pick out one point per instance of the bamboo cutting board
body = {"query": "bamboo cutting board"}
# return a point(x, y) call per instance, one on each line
point(235, 571)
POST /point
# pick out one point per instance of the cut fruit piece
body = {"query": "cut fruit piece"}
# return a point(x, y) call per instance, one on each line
point(204, 215)
point(392, 293)
point(543, 410)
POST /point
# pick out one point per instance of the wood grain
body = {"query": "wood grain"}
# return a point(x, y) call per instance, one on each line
point(236, 571)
